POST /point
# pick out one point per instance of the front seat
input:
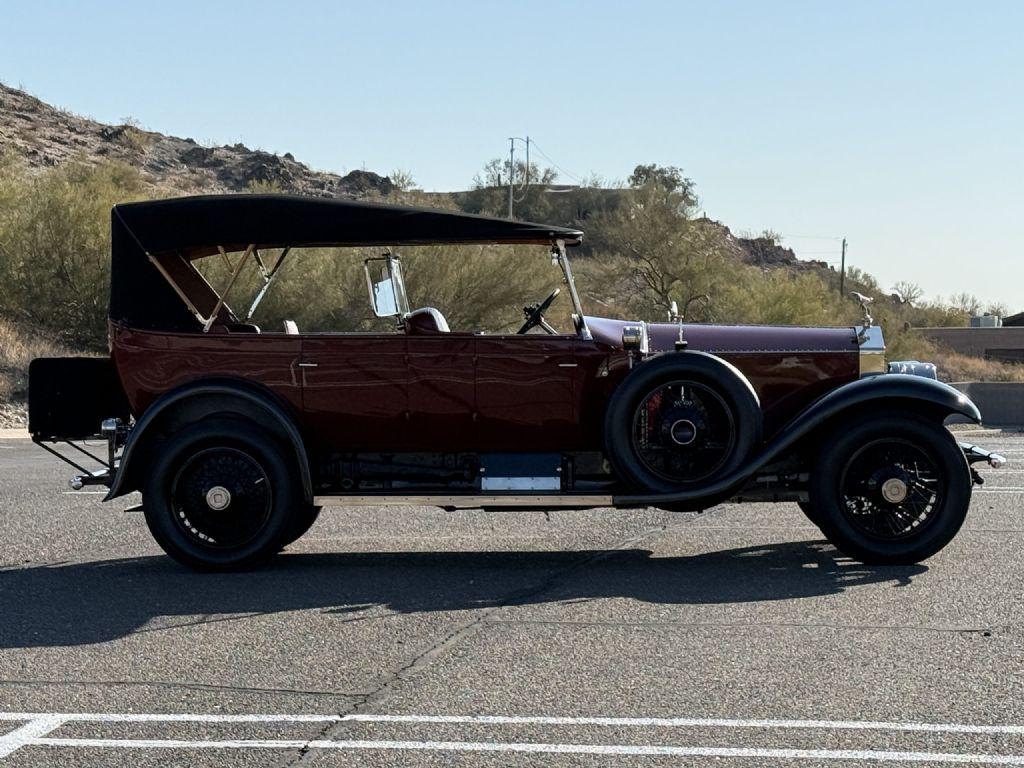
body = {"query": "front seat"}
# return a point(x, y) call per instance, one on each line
point(291, 328)
point(426, 320)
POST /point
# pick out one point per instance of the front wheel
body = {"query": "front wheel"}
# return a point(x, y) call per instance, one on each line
point(891, 490)
point(302, 520)
point(221, 496)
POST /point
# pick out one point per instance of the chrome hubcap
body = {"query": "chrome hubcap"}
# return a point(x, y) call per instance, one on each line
point(894, 490)
point(683, 432)
point(218, 498)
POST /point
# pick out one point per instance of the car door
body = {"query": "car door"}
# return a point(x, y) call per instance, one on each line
point(355, 390)
point(441, 374)
point(524, 393)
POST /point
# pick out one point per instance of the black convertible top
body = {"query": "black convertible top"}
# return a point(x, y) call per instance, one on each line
point(195, 226)
point(187, 228)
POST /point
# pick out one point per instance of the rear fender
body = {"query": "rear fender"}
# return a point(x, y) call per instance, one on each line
point(197, 401)
point(915, 394)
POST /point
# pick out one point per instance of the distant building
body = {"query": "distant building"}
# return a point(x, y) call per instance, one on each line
point(986, 321)
point(989, 338)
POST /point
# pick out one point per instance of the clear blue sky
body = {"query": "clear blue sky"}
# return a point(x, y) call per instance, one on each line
point(898, 125)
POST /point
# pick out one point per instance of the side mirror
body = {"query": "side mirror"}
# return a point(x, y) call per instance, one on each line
point(387, 289)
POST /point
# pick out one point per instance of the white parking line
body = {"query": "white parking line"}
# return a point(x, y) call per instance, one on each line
point(634, 722)
point(18, 738)
point(543, 748)
point(39, 725)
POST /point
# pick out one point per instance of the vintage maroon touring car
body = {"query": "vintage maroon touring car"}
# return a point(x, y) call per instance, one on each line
point(237, 435)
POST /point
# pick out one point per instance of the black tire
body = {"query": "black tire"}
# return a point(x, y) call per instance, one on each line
point(303, 519)
point(810, 512)
point(207, 458)
point(891, 490)
point(719, 412)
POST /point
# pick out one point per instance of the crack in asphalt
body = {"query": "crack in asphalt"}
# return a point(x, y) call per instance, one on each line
point(423, 660)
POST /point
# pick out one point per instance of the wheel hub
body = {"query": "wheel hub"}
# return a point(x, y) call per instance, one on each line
point(683, 432)
point(894, 490)
point(218, 498)
point(221, 497)
point(891, 488)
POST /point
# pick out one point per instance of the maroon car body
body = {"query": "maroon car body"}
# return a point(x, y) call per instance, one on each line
point(214, 418)
point(462, 391)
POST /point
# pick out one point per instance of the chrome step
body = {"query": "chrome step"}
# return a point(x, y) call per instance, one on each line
point(541, 501)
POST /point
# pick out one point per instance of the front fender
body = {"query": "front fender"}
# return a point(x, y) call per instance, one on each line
point(914, 393)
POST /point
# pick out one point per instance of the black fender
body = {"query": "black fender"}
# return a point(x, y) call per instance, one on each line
point(263, 402)
point(913, 393)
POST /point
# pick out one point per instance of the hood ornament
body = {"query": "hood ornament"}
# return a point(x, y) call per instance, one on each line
point(868, 320)
point(675, 316)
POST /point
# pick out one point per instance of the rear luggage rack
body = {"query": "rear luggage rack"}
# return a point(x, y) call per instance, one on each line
point(113, 432)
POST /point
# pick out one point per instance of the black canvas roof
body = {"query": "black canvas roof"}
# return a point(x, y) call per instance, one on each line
point(197, 225)
point(194, 227)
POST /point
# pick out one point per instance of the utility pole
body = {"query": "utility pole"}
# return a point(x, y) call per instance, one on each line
point(842, 271)
point(511, 171)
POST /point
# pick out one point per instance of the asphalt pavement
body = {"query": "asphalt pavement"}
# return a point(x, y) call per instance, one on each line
point(414, 636)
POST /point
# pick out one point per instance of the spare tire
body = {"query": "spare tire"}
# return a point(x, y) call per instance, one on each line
point(681, 420)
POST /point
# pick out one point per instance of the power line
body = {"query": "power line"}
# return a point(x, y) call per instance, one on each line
point(545, 155)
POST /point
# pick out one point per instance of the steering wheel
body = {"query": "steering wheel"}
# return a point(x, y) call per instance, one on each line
point(535, 314)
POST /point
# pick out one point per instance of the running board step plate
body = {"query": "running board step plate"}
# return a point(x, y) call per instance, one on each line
point(541, 501)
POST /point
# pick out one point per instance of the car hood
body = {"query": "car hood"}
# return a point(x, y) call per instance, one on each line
point(730, 338)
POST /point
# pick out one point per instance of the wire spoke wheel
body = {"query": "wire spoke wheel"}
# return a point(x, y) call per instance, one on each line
point(221, 498)
point(891, 489)
point(683, 431)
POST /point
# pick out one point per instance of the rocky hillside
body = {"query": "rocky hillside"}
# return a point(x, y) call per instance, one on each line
point(46, 136)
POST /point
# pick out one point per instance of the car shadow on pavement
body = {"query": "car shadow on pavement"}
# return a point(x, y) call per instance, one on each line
point(82, 603)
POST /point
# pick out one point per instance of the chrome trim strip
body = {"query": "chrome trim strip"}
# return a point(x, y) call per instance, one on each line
point(870, 339)
point(872, 350)
point(541, 501)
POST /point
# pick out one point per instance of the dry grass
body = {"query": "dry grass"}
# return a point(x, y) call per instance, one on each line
point(18, 347)
point(954, 366)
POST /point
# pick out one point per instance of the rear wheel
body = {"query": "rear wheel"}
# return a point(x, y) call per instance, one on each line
point(892, 490)
point(221, 496)
point(810, 512)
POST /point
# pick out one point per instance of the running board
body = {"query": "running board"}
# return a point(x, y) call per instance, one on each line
point(541, 501)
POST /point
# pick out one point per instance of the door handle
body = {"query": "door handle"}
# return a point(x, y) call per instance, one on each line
point(307, 365)
point(567, 365)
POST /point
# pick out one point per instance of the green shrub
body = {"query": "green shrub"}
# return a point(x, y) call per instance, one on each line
point(645, 249)
point(476, 288)
point(55, 245)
